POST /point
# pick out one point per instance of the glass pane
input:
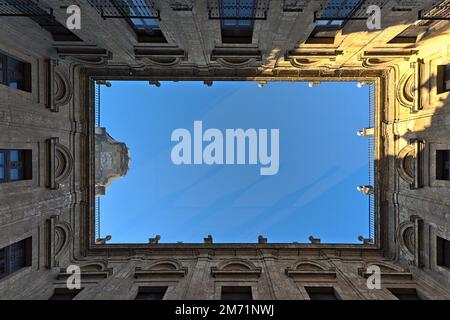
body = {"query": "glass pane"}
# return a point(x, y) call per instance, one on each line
point(2, 158)
point(13, 174)
point(15, 73)
point(14, 155)
point(2, 173)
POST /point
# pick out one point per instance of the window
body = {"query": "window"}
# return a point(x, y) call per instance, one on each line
point(239, 30)
point(321, 293)
point(322, 35)
point(14, 73)
point(443, 252)
point(443, 165)
point(44, 18)
point(237, 293)
point(56, 29)
point(410, 34)
point(15, 165)
point(405, 293)
point(147, 30)
point(15, 257)
point(140, 18)
point(151, 293)
point(332, 19)
point(64, 294)
point(443, 78)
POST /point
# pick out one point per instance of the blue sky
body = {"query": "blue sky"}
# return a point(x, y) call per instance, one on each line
point(322, 160)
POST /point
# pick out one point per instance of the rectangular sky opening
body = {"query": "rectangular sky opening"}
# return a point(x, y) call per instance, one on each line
point(295, 176)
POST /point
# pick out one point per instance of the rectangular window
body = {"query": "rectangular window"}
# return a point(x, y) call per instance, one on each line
point(443, 165)
point(15, 165)
point(443, 78)
point(321, 293)
point(405, 293)
point(147, 30)
point(409, 35)
point(237, 293)
point(240, 29)
point(14, 73)
point(140, 18)
point(43, 17)
point(64, 294)
point(151, 293)
point(15, 257)
point(332, 19)
point(58, 31)
point(443, 252)
point(322, 34)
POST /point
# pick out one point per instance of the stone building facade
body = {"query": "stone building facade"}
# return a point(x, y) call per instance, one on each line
point(46, 108)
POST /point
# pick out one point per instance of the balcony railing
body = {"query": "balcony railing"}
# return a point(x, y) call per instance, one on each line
point(343, 10)
point(24, 8)
point(143, 9)
point(238, 9)
point(439, 10)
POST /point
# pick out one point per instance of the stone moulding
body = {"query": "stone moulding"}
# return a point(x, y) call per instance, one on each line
point(160, 56)
point(384, 58)
point(236, 268)
point(410, 163)
point(410, 237)
point(311, 58)
point(236, 57)
point(90, 272)
point(390, 273)
point(59, 88)
point(85, 55)
point(58, 235)
point(59, 164)
point(310, 271)
point(169, 268)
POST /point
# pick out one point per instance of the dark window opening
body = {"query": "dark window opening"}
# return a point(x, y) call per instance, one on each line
point(15, 257)
point(56, 29)
point(237, 293)
point(15, 165)
point(14, 73)
point(237, 30)
point(147, 30)
point(46, 20)
point(322, 35)
point(337, 12)
point(139, 17)
point(443, 165)
point(321, 293)
point(64, 294)
point(405, 293)
point(409, 35)
point(443, 252)
point(443, 78)
point(151, 293)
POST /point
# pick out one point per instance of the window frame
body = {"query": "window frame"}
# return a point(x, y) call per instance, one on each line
point(442, 252)
point(321, 290)
point(238, 290)
point(403, 292)
point(64, 293)
point(6, 265)
point(443, 76)
point(147, 291)
point(241, 30)
point(26, 73)
point(25, 169)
